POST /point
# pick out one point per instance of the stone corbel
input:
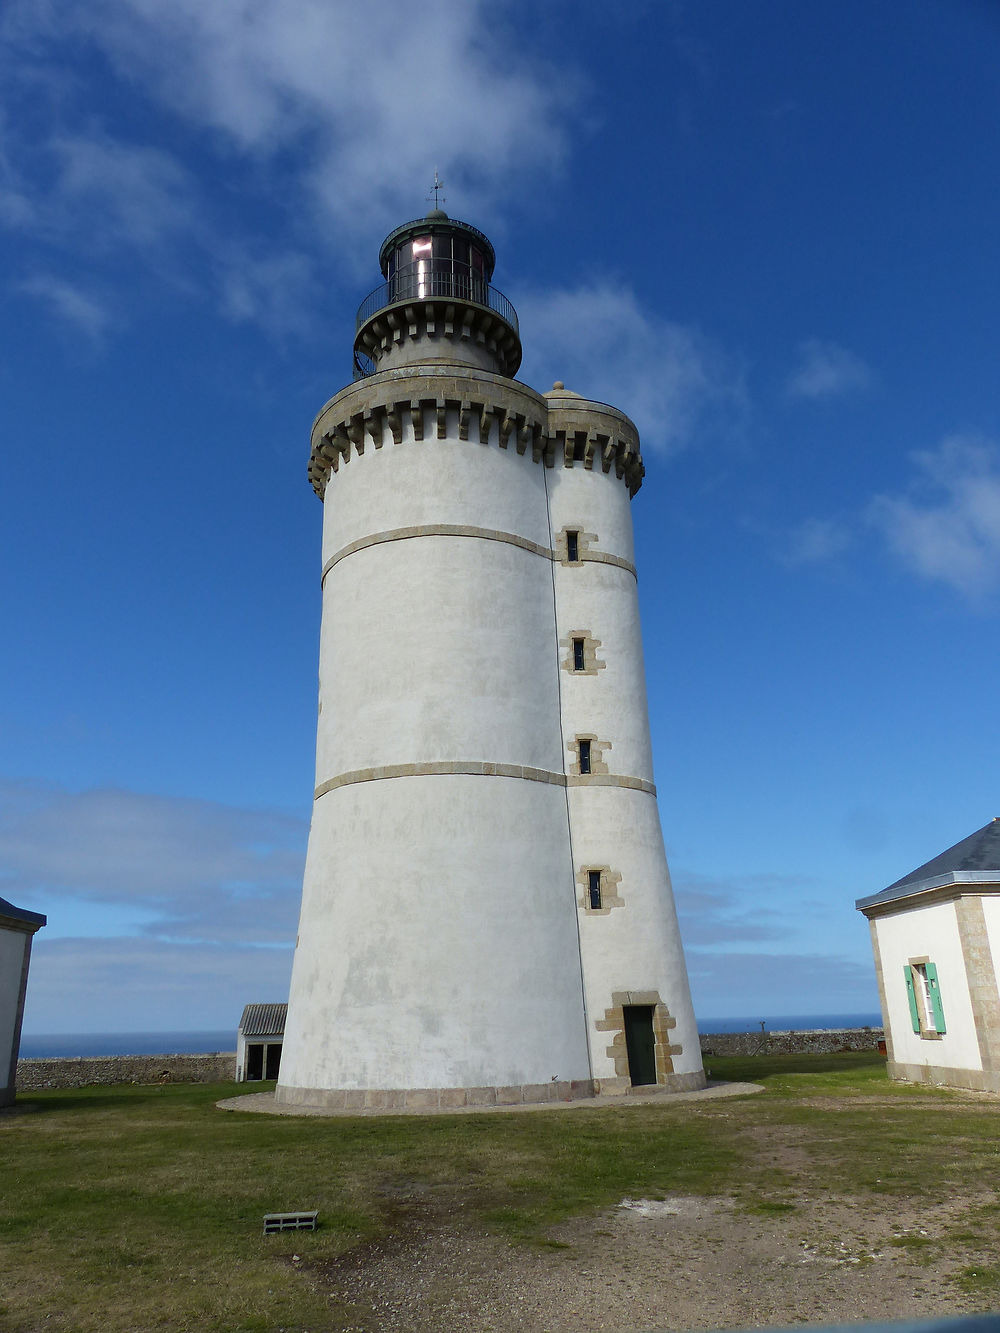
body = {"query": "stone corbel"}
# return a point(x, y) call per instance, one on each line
point(417, 419)
point(374, 425)
point(486, 414)
point(464, 413)
point(395, 419)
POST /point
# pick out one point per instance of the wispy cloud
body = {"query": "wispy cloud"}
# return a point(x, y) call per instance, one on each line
point(204, 870)
point(600, 342)
point(946, 527)
point(272, 292)
point(715, 911)
point(134, 193)
point(83, 312)
point(724, 984)
point(103, 985)
point(817, 541)
point(826, 370)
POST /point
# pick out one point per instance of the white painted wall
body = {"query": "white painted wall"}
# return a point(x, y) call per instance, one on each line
point(930, 932)
point(638, 946)
point(991, 911)
point(13, 944)
point(434, 481)
point(437, 946)
point(440, 939)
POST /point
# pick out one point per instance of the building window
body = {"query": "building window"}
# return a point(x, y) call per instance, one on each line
point(594, 889)
point(579, 657)
point(585, 756)
point(572, 546)
point(924, 995)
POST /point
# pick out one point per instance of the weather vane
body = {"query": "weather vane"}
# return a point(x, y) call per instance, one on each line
point(436, 189)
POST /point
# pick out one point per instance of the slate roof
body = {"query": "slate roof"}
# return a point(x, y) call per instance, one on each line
point(263, 1020)
point(16, 915)
point(974, 860)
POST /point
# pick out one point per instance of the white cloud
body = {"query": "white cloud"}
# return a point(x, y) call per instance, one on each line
point(947, 527)
point(83, 312)
point(203, 870)
point(350, 108)
point(825, 370)
point(599, 341)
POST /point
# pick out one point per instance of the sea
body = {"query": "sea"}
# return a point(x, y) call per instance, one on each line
point(36, 1046)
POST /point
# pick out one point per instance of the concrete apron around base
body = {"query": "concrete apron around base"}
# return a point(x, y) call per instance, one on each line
point(263, 1103)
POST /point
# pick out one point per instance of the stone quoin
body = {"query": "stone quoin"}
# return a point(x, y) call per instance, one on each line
point(486, 914)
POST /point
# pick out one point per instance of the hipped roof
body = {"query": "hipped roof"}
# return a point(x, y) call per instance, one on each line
point(974, 860)
point(19, 918)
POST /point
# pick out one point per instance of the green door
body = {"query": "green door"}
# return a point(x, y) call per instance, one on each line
point(639, 1043)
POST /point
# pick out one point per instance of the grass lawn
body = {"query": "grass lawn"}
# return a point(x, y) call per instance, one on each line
point(141, 1207)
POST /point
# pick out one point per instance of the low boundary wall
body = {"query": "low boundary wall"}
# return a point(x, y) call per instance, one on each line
point(818, 1041)
point(79, 1071)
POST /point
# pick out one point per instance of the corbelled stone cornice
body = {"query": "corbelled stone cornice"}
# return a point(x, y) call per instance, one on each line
point(417, 401)
point(388, 332)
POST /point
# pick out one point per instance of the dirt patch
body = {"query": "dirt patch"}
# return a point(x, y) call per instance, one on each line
point(678, 1263)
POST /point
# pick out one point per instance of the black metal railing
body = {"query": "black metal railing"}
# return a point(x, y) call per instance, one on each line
point(428, 280)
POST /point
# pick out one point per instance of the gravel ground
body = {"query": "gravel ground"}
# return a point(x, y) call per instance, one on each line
point(679, 1263)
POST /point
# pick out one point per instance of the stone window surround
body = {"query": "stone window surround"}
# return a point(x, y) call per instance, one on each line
point(591, 663)
point(598, 764)
point(663, 1024)
point(586, 544)
point(610, 884)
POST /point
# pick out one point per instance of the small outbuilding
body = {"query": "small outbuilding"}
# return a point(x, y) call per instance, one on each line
point(258, 1042)
point(17, 927)
point(936, 938)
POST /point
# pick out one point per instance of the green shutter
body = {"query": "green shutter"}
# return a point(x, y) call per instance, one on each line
point(911, 995)
point(936, 1005)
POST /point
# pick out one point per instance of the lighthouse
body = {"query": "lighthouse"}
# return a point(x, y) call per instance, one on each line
point(487, 915)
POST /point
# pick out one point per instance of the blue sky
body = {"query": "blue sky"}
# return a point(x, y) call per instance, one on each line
point(768, 232)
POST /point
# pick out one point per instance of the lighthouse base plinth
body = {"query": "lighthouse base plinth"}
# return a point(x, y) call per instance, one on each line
point(453, 1099)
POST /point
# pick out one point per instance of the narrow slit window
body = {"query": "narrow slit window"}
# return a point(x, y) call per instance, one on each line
point(572, 546)
point(594, 889)
point(585, 756)
point(579, 657)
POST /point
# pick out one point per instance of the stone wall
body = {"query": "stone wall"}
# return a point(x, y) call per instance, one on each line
point(33, 1075)
point(820, 1041)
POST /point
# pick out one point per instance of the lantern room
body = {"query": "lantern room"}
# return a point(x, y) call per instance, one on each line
point(436, 302)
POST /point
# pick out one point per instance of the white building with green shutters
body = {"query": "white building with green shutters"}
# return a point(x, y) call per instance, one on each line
point(936, 938)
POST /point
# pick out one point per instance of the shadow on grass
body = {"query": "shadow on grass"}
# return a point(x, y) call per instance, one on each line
point(133, 1096)
point(756, 1068)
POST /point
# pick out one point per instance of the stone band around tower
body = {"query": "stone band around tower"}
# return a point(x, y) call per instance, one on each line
point(555, 427)
point(483, 534)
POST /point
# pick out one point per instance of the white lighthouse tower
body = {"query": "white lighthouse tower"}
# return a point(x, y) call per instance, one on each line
point(486, 914)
